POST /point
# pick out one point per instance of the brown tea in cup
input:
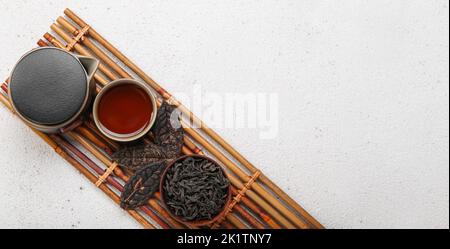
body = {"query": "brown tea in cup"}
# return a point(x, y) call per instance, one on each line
point(124, 110)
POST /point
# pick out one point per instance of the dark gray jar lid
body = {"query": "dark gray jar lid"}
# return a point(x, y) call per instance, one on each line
point(48, 86)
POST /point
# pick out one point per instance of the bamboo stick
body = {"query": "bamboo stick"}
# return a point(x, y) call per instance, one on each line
point(78, 48)
point(85, 40)
point(274, 213)
point(112, 145)
point(102, 145)
point(252, 195)
point(257, 210)
point(42, 43)
point(227, 225)
point(255, 223)
point(236, 222)
point(195, 119)
point(5, 88)
point(81, 169)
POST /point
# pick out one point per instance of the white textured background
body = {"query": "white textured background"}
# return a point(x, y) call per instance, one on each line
point(363, 89)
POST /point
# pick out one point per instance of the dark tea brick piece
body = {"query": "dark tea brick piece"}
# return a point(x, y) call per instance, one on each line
point(168, 131)
point(139, 156)
point(168, 142)
point(142, 185)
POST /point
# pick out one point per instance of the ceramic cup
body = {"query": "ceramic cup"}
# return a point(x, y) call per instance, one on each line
point(50, 88)
point(131, 136)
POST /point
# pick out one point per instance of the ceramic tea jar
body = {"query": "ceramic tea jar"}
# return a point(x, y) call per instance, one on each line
point(50, 88)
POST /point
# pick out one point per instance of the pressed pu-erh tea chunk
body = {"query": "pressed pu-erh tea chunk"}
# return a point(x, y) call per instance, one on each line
point(139, 156)
point(195, 189)
point(168, 141)
point(168, 131)
point(142, 185)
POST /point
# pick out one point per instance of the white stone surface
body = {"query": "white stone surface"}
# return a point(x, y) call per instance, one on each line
point(363, 89)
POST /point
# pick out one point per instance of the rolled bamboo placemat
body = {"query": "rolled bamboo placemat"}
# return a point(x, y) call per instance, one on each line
point(197, 121)
point(249, 186)
point(207, 130)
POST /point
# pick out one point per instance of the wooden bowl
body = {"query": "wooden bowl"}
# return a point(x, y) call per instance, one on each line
point(197, 223)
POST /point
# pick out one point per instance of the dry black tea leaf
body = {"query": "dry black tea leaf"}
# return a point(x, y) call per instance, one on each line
point(139, 156)
point(195, 189)
point(168, 131)
point(168, 135)
point(142, 185)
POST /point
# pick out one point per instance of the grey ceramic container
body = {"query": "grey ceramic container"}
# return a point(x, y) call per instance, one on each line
point(50, 88)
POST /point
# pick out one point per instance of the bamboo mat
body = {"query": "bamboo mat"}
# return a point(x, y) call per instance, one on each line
point(257, 201)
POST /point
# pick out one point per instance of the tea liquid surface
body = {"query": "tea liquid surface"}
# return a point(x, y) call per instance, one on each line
point(125, 109)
